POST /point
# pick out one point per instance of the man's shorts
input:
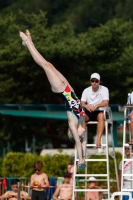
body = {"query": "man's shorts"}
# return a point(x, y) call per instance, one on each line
point(92, 115)
point(38, 195)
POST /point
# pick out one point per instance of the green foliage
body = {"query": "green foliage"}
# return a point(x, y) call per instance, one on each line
point(56, 164)
point(16, 164)
point(106, 49)
point(82, 14)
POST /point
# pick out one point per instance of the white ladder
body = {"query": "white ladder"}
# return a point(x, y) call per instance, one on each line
point(127, 122)
point(106, 175)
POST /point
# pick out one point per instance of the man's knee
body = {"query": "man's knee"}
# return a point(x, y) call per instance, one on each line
point(100, 116)
point(86, 118)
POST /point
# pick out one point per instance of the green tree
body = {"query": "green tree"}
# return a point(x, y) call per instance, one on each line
point(106, 49)
point(81, 13)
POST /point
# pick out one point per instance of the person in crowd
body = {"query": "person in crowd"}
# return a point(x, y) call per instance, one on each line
point(13, 195)
point(127, 169)
point(39, 182)
point(94, 99)
point(93, 195)
point(61, 87)
point(64, 191)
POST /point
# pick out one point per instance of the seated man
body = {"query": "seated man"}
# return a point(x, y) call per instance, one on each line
point(93, 195)
point(13, 195)
point(64, 190)
point(95, 98)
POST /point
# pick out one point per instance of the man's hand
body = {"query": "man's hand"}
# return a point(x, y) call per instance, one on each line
point(39, 186)
point(91, 108)
point(12, 196)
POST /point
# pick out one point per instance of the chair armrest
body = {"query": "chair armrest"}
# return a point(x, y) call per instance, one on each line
point(127, 110)
point(107, 114)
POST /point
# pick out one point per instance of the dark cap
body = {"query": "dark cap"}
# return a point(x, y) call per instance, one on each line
point(68, 175)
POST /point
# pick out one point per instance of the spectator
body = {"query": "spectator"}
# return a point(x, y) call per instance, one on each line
point(13, 195)
point(127, 169)
point(93, 195)
point(94, 99)
point(64, 191)
point(39, 181)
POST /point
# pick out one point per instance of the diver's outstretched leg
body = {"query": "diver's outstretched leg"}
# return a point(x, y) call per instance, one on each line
point(57, 85)
point(73, 124)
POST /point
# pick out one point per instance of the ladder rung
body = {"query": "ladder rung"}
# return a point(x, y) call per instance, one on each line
point(94, 145)
point(86, 190)
point(127, 174)
point(92, 122)
point(100, 154)
point(88, 175)
point(96, 159)
point(86, 180)
point(126, 190)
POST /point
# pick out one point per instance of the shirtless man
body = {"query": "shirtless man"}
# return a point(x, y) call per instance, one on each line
point(64, 190)
point(93, 195)
point(13, 195)
point(39, 181)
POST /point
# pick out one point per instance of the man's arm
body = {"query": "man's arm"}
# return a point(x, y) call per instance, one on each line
point(32, 180)
point(24, 195)
point(104, 103)
point(56, 194)
point(86, 106)
point(90, 108)
point(4, 196)
point(46, 181)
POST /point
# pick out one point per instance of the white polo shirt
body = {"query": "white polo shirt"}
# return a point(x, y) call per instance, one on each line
point(93, 98)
